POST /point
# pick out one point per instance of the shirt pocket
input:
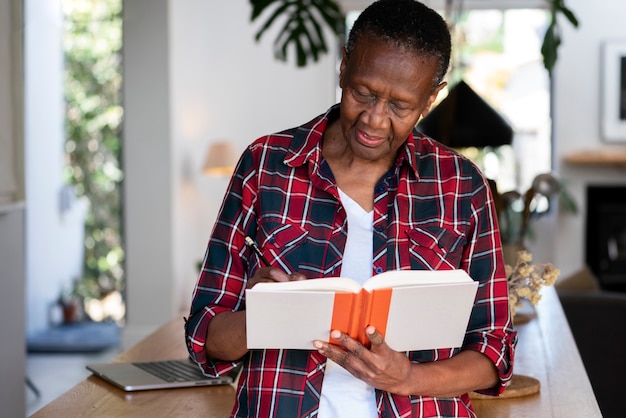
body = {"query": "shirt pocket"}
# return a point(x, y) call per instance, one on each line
point(283, 245)
point(435, 248)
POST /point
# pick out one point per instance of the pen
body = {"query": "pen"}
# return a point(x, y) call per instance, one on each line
point(250, 243)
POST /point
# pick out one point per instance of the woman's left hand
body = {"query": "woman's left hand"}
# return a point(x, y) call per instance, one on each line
point(378, 366)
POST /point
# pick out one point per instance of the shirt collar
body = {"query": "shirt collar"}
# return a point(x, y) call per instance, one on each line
point(306, 145)
point(411, 152)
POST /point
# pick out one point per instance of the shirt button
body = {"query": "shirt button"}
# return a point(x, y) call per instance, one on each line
point(271, 239)
point(378, 270)
point(379, 228)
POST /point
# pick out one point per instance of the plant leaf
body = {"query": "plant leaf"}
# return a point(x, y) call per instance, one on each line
point(551, 42)
point(301, 53)
point(567, 202)
point(319, 39)
point(331, 13)
point(289, 32)
point(279, 11)
point(300, 34)
point(303, 26)
point(258, 6)
point(569, 15)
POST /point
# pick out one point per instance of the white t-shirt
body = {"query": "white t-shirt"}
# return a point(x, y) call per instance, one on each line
point(342, 394)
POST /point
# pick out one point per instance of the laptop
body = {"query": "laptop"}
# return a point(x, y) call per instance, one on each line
point(164, 374)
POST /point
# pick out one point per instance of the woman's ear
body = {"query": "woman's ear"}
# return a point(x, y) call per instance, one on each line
point(342, 66)
point(432, 98)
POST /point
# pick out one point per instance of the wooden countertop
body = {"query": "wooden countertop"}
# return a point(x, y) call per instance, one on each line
point(95, 398)
point(546, 351)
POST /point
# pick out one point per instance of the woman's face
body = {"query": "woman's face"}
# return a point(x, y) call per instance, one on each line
point(385, 91)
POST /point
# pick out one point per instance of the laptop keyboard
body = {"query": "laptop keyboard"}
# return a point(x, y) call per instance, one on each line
point(172, 370)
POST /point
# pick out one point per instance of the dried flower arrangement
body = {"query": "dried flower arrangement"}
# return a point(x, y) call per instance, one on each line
point(526, 279)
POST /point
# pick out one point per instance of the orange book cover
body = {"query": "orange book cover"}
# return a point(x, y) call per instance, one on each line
point(353, 312)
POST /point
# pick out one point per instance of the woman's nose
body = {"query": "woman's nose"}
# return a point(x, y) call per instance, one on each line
point(376, 115)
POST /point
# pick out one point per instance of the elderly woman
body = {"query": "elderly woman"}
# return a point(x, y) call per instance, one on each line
point(357, 191)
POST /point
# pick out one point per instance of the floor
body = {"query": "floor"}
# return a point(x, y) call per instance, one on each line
point(54, 374)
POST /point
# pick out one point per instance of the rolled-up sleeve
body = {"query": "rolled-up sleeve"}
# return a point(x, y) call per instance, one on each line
point(497, 342)
point(196, 331)
point(490, 330)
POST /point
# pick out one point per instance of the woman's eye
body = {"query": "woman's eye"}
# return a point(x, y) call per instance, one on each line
point(399, 109)
point(361, 96)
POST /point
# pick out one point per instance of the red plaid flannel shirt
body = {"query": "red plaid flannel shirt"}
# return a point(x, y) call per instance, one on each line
point(433, 210)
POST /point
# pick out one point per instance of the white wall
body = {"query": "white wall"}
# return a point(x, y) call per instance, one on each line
point(577, 98)
point(226, 86)
point(216, 83)
point(147, 162)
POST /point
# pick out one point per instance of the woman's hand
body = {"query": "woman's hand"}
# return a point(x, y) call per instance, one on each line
point(226, 333)
point(379, 366)
point(391, 371)
point(272, 274)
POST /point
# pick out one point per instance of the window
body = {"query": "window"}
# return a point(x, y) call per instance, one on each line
point(93, 77)
point(498, 55)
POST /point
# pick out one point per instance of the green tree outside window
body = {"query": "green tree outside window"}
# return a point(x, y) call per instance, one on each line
point(93, 78)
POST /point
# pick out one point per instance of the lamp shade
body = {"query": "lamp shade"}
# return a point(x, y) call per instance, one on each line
point(464, 119)
point(220, 159)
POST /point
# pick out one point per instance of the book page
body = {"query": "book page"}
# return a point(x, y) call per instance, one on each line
point(398, 278)
point(337, 284)
point(429, 316)
point(289, 319)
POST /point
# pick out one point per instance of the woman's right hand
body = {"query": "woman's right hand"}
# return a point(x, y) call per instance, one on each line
point(272, 274)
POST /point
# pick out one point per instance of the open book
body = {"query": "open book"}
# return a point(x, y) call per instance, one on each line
point(413, 309)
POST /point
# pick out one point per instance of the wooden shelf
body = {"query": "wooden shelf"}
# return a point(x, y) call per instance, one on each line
point(597, 157)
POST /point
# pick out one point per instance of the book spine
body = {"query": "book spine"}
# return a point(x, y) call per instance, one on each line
point(361, 302)
point(344, 311)
point(376, 313)
point(352, 313)
point(366, 300)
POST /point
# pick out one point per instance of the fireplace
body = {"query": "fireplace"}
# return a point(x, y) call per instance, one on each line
point(605, 251)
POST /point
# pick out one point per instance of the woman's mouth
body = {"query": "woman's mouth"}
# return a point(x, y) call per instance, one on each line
point(370, 140)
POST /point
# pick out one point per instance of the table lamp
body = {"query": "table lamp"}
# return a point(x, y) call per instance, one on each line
point(464, 119)
point(220, 159)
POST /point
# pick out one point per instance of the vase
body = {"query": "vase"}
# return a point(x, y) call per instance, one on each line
point(524, 313)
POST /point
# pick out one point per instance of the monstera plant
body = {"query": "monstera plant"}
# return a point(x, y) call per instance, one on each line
point(303, 22)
